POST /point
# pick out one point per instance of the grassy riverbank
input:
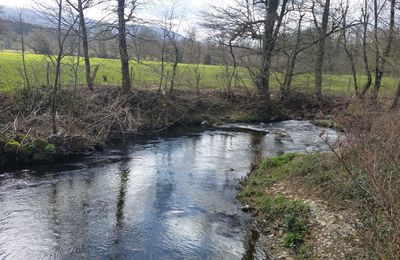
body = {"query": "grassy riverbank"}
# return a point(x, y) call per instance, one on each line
point(337, 205)
point(302, 206)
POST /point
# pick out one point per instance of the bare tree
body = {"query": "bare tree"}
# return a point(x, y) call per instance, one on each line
point(292, 56)
point(177, 42)
point(259, 21)
point(22, 39)
point(381, 56)
point(55, 12)
point(272, 24)
point(166, 30)
point(80, 6)
point(350, 52)
point(172, 43)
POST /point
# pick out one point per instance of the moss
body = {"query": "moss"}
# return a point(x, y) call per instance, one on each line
point(50, 148)
point(11, 146)
point(314, 170)
point(281, 205)
point(40, 144)
point(280, 160)
point(268, 172)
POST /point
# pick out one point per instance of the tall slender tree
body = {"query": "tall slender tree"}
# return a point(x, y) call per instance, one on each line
point(322, 31)
point(123, 18)
point(80, 6)
point(365, 17)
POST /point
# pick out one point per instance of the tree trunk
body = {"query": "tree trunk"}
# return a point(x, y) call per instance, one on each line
point(368, 84)
point(175, 67)
point(291, 64)
point(381, 57)
point(85, 45)
point(287, 83)
point(267, 48)
point(173, 77)
point(349, 54)
point(28, 85)
point(58, 68)
point(162, 63)
point(321, 50)
point(123, 50)
point(353, 68)
point(396, 100)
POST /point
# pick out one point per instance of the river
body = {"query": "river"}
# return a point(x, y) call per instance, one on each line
point(171, 196)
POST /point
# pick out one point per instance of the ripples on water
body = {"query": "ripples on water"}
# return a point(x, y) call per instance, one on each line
point(163, 198)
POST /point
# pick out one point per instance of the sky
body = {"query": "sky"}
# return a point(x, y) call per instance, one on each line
point(190, 8)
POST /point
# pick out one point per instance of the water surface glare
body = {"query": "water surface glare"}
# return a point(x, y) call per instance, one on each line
point(170, 197)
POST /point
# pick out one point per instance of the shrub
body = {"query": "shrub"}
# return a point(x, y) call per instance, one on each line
point(371, 154)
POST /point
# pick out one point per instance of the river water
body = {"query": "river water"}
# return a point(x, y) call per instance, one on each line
point(167, 197)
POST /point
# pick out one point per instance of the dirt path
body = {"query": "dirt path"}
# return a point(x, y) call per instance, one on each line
point(331, 234)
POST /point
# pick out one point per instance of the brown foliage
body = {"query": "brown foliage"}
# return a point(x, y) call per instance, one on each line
point(372, 153)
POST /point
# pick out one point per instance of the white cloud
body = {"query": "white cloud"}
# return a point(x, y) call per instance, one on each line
point(17, 3)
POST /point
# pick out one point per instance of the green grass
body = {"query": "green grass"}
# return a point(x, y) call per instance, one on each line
point(291, 216)
point(147, 74)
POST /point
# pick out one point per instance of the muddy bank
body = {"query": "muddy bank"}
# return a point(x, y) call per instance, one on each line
point(89, 121)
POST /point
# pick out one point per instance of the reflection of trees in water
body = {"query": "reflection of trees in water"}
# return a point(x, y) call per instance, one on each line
point(166, 182)
point(66, 203)
point(120, 214)
point(54, 209)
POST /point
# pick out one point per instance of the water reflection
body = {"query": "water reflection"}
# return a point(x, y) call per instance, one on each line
point(166, 198)
point(124, 173)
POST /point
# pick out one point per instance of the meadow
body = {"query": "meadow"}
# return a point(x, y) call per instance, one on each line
point(146, 75)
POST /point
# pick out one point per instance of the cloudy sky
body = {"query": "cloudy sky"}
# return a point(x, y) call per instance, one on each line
point(190, 8)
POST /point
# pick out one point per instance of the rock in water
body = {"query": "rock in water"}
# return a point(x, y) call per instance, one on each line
point(246, 208)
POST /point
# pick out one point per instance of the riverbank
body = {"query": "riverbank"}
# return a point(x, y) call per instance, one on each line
point(304, 207)
point(336, 205)
point(89, 121)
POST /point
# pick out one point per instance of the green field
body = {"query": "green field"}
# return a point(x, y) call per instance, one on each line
point(147, 75)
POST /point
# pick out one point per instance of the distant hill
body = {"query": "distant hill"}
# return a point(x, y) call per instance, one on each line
point(29, 15)
point(34, 17)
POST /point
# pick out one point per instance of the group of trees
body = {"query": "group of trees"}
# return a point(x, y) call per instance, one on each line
point(268, 37)
point(283, 36)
